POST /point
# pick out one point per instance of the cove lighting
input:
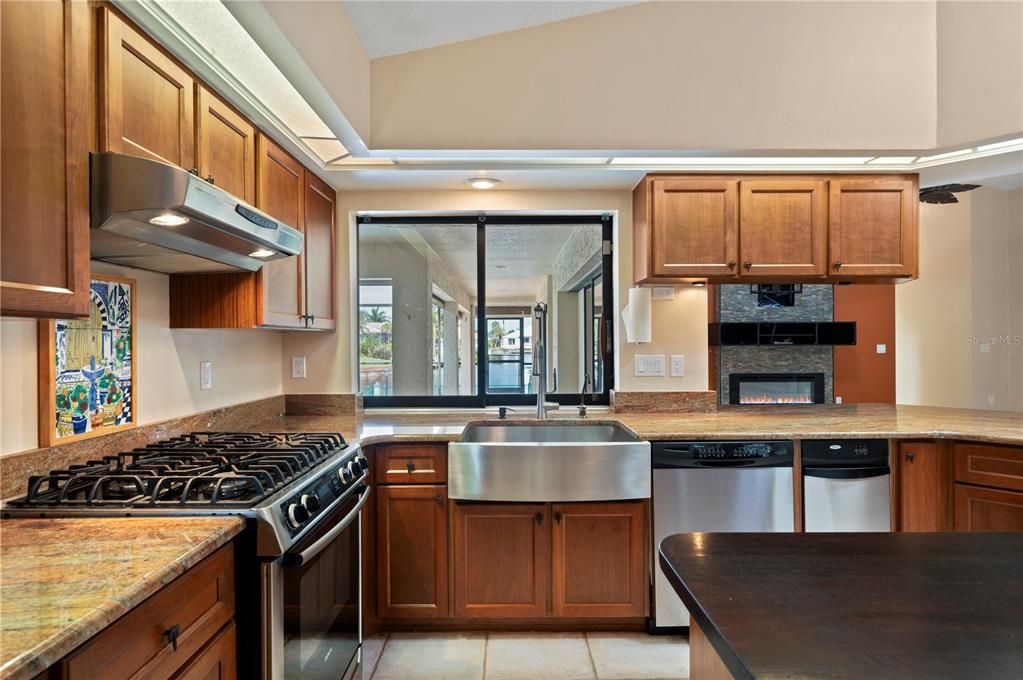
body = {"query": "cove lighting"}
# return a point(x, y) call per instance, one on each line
point(1001, 145)
point(892, 160)
point(755, 160)
point(941, 156)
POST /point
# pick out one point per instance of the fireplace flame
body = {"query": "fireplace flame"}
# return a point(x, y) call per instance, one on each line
point(765, 399)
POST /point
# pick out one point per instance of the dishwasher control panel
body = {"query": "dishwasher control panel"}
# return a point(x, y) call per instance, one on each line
point(722, 454)
point(845, 452)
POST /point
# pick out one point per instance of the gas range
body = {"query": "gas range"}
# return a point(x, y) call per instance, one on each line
point(283, 481)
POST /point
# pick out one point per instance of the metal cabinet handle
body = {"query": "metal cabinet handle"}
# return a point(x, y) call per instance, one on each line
point(539, 518)
point(838, 265)
point(747, 265)
point(172, 634)
point(911, 456)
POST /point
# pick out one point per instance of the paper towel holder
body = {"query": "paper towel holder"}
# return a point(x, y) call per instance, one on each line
point(636, 316)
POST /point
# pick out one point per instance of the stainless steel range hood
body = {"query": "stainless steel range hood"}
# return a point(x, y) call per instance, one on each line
point(156, 216)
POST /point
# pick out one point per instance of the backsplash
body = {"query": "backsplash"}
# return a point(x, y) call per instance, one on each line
point(736, 304)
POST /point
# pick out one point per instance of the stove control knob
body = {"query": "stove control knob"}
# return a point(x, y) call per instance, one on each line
point(310, 502)
point(297, 515)
point(354, 469)
point(346, 475)
point(363, 463)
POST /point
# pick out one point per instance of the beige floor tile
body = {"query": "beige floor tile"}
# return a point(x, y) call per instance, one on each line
point(638, 656)
point(433, 656)
point(540, 656)
point(371, 648)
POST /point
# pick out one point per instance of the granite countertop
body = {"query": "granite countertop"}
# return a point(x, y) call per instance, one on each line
point(869, 420)
point(855, 606)
point(64, 580)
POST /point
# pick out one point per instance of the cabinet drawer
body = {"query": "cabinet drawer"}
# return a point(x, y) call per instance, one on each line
point(979, 509)
point(199, 603)
point(989, 465)
point(412, 464)
point(217, 661)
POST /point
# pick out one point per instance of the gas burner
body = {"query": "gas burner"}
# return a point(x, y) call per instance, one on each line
point(202, 469)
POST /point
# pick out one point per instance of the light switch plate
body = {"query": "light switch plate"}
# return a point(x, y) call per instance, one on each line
point(882, 349)
point(297, 367)
point(678, 365)
point(649, 365)
point(662, 293)
point(205, 375)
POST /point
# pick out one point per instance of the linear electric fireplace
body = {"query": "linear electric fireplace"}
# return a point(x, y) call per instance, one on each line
point(776, 388)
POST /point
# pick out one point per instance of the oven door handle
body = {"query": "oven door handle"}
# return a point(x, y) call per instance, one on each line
point(299, 558)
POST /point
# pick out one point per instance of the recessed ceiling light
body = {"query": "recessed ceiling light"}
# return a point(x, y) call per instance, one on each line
point(1001, 145)
point(262, 252)
point(482, 182)
point(168, 219)
point(892, 160)
point(700, 284)
point(947, 154)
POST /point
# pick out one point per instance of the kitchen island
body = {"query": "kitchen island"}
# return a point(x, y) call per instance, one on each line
point(850, 606)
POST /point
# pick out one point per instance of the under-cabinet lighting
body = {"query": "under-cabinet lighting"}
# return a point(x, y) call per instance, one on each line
point(168, 220)
point(262, 252)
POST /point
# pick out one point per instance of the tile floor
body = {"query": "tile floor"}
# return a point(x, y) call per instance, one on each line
point(525, 656)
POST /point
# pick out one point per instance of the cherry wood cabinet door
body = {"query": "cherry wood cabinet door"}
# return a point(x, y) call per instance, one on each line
point(980, 509)
point(280, 181)
point(44, 163)
point(500, 560)
point(147, 100)
point(783, 227)
point(226, 145)
point(598, 559)
point(924, 487)
point(873, 226)
point(412, 551)
point(319, 254)
point(217, 661)
point(694, 227)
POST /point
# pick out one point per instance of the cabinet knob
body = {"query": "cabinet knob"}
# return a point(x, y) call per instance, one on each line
point(539, 518)
point(731, 264)
point(194, 171)
point(410, 466)
point(838, 265)
point(557, 517)
point(747, 265)
point(172, 634)
point(911, 456)
point(209, 178)
point(440, 501)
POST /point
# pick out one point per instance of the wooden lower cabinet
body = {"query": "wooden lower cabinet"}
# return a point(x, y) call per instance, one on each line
point(704, 662)
point(198, 606)
point(924, 480)
point(412, 551)
point(980, 509)
point(597, 559)
point(500, 560)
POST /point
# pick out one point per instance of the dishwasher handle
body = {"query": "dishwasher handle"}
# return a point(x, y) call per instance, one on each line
point(864, 472)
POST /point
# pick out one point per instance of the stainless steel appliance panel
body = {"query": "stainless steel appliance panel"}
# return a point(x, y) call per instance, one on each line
point(847, 504)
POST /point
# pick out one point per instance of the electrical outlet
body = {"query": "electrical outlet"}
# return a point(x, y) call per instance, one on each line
point(990, 400)
point(662, 293)
point(297, 367)
point(649, 365)
point(882, 349)
point(678, 365)
point(205, 375)
point(838, 399)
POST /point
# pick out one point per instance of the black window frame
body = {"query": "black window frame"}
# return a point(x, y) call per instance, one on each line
point(483, 399)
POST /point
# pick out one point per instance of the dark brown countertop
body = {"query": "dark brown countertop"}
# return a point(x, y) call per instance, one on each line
point(855, 606)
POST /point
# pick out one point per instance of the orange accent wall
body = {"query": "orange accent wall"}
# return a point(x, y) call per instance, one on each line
point(861, 374)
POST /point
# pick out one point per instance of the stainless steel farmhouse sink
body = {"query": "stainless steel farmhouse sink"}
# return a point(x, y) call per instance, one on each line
point(548, 462)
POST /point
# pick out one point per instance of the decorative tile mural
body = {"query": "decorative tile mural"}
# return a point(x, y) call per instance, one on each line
point(88, 386)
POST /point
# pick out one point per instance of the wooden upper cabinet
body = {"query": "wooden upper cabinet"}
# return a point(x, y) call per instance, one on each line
point(147, 99)
point(873, 227)
point(280, 192)
point(319, 254)
point(226, 147)
point(598, 559)
point(924, 487)
point(44, 163)
point(694, 228)
point(412, 551)
point(500, 560)
point(783, 227)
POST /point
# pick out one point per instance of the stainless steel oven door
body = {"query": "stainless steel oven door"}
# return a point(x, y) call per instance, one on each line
point(312, 600)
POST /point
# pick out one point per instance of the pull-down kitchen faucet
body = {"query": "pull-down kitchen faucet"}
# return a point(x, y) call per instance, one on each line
point(540, 359)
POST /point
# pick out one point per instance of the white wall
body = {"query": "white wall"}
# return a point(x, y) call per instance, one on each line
point(969, 295)
point(680, 326)
point(246, 365)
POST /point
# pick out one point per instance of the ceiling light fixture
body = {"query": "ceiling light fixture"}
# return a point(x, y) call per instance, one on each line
point(168, 219)
point(262, 253)
point(482, 182)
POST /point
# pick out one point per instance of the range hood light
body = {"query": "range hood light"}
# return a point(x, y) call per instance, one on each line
point(168, 219)
point(482, 182)
point(262, 252)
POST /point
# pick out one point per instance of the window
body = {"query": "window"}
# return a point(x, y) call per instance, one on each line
point(446, 308)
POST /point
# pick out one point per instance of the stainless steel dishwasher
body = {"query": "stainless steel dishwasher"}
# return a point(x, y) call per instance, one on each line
point(846, 485)
point(715, 486)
